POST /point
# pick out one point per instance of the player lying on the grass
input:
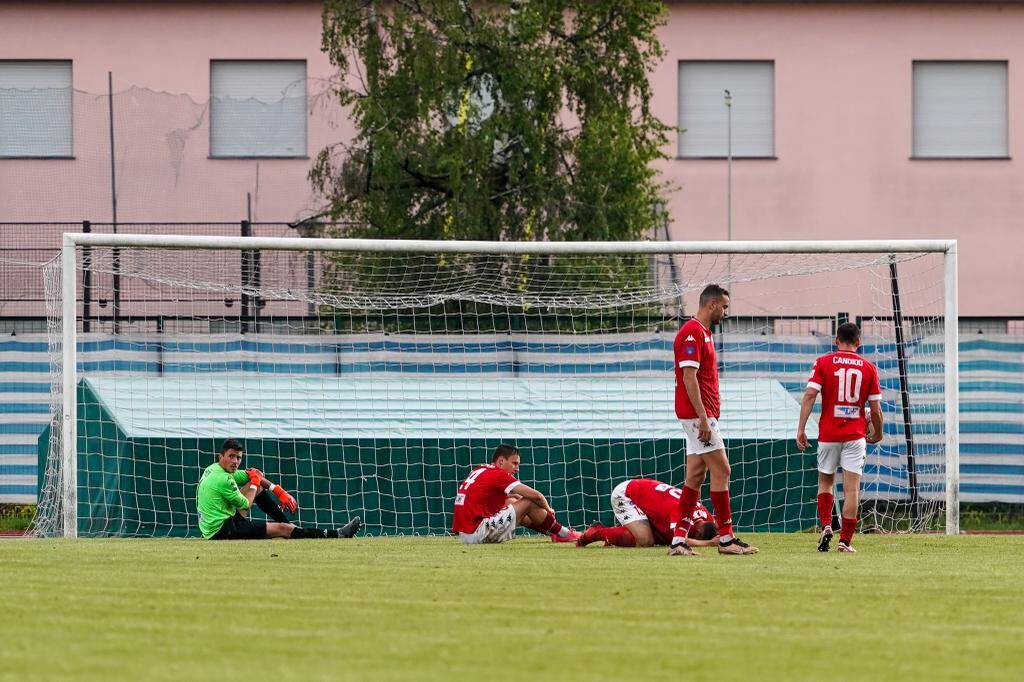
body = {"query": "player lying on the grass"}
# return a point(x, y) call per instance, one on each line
point(846, 382)
point(648, 513)
point(226, 495)
point(698, 408)
point(491, 502)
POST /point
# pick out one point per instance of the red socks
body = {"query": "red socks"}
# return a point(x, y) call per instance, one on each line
point(825, 502)
point(620, 536)
point(849, 528)
point(687, 503)
point(549, 525)
point(723, 511)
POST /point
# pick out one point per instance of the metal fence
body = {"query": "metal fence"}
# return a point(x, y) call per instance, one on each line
point(25, 246)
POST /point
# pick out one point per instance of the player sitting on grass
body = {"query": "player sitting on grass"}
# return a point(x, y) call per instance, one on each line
point(648, 512)
point(846, 382)
point(224, 507)
point(491, 502)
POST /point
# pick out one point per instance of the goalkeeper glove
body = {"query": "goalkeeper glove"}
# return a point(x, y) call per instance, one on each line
point(255, 476)
point(287, 501)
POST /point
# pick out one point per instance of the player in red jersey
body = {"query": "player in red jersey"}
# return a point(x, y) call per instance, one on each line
point(698, 408)
point(491, 502)
point(648, 512)
point(846, 381)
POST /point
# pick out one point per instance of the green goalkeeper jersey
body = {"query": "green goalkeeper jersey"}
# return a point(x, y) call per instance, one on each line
point(218, 498)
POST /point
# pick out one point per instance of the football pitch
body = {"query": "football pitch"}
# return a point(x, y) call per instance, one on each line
point(921, 607)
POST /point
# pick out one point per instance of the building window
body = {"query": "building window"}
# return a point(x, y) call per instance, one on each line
point(257, 108)
point(960, 110)
point(704, 118)
point(35, 109)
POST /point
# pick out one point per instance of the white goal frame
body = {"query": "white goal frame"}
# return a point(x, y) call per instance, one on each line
point(73, 240)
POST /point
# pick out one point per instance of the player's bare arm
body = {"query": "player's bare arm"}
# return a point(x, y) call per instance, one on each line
point(692, 542)
point(693, 392)
point(875, 432)
point(806, 406)
point(525, 492)
point(248, 491)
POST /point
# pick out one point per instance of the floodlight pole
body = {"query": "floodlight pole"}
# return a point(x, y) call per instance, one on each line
point(113, 207)
point(728, 220)
point(728, 156)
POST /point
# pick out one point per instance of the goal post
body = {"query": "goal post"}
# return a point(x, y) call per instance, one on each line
point(588, 293)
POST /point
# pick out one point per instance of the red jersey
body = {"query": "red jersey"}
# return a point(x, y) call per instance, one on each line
point(846, 381)
point(695, 347)
point(660, 502)
point(481, 495)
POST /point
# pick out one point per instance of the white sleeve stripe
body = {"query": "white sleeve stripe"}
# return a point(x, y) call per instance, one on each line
point(689, 363)
point(815, 385)
point(875, 397)
point(511, 486)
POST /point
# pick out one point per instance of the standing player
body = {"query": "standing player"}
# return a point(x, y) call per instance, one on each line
point(648, 512)
point(697, 405)
point(491, 502)
point(846, 382)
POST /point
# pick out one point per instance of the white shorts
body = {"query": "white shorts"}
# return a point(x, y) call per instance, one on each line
point(848, 454)
point(694, 446)
point(625, 509)
point(498, 528)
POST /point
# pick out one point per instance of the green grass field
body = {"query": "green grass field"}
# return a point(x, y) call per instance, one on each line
point(905, 608)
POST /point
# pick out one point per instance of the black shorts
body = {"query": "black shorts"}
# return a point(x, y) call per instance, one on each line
point(240, 527)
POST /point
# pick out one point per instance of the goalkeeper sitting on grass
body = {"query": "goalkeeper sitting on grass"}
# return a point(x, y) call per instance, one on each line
point(224, 507)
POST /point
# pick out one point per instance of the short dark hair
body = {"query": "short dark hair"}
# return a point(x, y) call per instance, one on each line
point(848, 333)
point(231, 444)
point(712, 292)
point(706, 530)
point(504, 450)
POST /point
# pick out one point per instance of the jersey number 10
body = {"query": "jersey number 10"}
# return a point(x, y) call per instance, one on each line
point(848, 384)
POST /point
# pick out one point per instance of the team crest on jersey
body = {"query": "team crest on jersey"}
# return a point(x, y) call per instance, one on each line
point(690, 350)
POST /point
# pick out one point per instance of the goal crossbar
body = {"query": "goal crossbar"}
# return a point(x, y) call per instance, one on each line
point(156, 241)
point(73, 240)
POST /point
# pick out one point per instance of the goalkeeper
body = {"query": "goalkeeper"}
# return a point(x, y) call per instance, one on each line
point(224, 507)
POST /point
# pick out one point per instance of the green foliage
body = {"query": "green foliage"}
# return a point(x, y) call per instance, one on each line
point(15, 518)
point(997, 516)
point(505, 120)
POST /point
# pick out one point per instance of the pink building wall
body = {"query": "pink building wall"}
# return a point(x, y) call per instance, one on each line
point(165, 47)
point(843, 133)
point(842, 122)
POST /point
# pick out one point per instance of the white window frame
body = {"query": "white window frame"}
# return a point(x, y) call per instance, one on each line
point(304, 154)
point(70, 155)
point(914, 152)
point(771, 155)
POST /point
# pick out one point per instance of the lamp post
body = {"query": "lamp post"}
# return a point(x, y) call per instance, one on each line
point(728, 202)
point(728, 156)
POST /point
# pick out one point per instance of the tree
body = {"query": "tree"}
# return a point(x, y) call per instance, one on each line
point(506, 119)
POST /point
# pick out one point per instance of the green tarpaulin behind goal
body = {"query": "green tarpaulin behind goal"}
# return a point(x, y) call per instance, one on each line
point(394, 450)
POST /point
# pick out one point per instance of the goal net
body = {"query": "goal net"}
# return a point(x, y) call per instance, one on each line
point(370, 377)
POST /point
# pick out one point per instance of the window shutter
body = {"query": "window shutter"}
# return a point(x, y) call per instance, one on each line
point(960, 109)
point(257, 108)
point(35, 108)
point(704, 116)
